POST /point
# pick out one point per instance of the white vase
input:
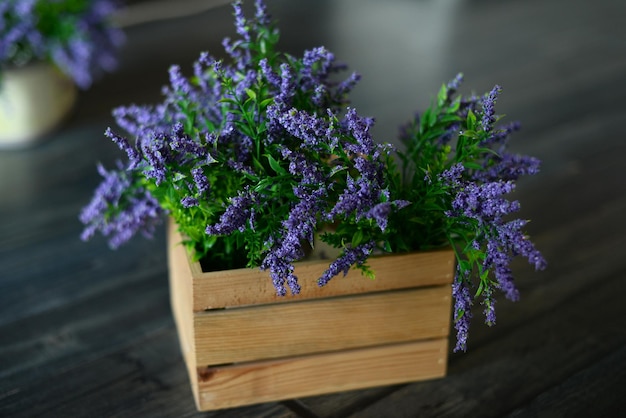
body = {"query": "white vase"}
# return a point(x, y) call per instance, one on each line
point(34, 99)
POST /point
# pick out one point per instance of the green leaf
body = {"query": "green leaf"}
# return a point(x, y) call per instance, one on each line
point(228, 100)
point(251, 94)
point(449, 118)
point(266, 102)
point(481, 288)
point(178, 177)
point(275, 165)
point(471, 120)
point(357, 238)
point(456, 104)
point(432, 119)
point(442, 96)
point(472, 165)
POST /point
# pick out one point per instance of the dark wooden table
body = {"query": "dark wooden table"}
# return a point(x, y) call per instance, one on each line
point(85, 331)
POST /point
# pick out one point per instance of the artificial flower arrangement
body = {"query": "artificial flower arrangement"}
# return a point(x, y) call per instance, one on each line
point(75, 35)
point(254, 158)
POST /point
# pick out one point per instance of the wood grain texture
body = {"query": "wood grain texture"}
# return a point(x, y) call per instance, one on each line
point(311, 344)
point(85, 331)
point(241, 287)
point(234, 335)
point(223, 387)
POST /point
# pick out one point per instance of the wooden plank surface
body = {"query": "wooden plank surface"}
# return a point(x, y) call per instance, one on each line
point(289, 329)
point(264, 381)
point(85, 331)
point(247, 286)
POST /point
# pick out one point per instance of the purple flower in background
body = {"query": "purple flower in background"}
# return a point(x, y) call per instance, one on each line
point(85, 47)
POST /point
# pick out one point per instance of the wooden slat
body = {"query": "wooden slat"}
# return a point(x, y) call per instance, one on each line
point(180, 298)
point(230, 386)
point(240, 287)
point(283, 330)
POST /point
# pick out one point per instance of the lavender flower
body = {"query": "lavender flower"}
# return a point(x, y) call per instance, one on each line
point(312, 77)
point(269, 74)
point(118, 210)
point(508, 167)
point(261, 151)
point(350, 257)
point(489, 311)
point(132, 153)
point(287, 85)
point(189, 202)
point(235, 217)
point(241, 25)
point(86, 47)
point(202, 183)
point(488, 105)
point(462, 309)
point(261, 15)
point(309, 128)
point(179, 83)
point(346, 86)
point(484, 205)
point(139, 121)
point(281, 271)
point(454, 84)
point(359, 127)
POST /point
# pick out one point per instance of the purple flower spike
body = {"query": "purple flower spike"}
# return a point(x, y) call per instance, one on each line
point(488, 104)
point(235, 217)
point(462, 311)
point(241, 25)
point(350, 257)
point(454, 84)
point(262, 16)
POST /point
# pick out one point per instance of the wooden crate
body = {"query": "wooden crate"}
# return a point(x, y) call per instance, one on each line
point(243, 344)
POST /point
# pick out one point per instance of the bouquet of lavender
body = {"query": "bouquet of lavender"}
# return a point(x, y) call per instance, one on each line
point(76, 35)
point(252, 158)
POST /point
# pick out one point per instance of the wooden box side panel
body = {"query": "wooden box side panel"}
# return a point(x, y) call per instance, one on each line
point(181, 298)
point(265, 381)
point(321, 325)
point(242, 287)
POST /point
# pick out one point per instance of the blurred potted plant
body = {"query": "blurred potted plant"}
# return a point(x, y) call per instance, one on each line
point(47, 48)
point(251, 159)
